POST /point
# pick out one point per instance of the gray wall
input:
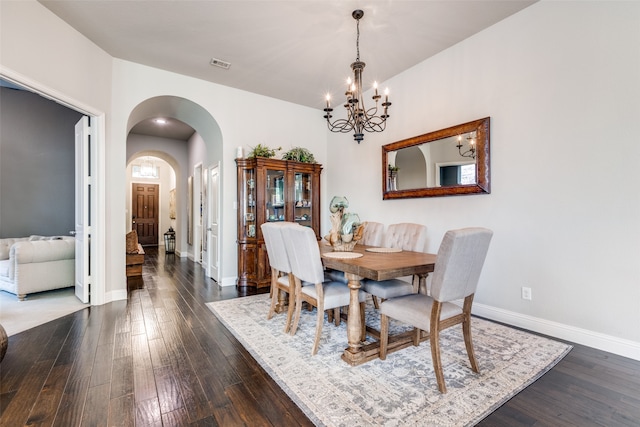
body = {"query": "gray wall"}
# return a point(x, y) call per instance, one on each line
point(37, 165)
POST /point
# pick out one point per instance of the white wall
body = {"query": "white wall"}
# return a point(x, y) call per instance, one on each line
point(45, 54)
point(560, 81)
point(42, 47)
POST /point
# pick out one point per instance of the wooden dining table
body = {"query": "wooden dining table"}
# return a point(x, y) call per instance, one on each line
point(374, 266)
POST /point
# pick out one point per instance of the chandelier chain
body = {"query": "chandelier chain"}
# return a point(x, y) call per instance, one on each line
point(357, 40)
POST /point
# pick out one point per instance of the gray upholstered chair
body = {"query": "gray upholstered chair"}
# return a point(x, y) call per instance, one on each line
point(405, 236)
point(457, 270)
point(373, 234)
point(306, 266)
point(281, 278)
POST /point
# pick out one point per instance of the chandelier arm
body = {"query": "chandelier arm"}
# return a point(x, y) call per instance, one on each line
point(340, 125)
point(470, 153)
point(376, 127)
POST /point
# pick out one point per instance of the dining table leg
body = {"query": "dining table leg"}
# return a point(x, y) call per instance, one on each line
point(353, 354)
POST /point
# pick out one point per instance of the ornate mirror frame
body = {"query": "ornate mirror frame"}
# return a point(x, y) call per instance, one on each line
point(482, 185)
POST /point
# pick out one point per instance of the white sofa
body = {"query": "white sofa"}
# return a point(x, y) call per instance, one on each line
point(36, 263)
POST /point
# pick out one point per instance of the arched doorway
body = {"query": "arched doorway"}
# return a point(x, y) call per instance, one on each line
point(191, 159)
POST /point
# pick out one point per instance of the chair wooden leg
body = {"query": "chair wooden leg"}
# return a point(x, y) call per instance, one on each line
point(292, 303)
point(376, 304)
point(336, 316)
point(296, 318)
point(434, 338)
point(274, 293)
point(466, 332)
point(272, 308)
point(384, 335)
point(416, 336)
point(363, 335)
point(319, 323)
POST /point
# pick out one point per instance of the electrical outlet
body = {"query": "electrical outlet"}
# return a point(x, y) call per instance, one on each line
point(526, 293)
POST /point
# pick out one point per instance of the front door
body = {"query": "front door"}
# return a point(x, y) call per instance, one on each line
point(144, 208)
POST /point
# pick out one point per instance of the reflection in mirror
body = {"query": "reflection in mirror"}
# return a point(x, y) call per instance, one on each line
point(450, 161)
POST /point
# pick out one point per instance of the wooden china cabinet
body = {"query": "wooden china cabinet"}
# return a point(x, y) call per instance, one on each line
point(272, 190)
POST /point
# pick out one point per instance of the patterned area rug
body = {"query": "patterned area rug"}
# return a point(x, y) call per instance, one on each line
point(400, 390)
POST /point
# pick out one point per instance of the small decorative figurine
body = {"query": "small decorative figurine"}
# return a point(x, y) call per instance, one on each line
point(346, 228)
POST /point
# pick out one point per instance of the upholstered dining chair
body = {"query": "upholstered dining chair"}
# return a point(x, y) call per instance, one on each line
point(405, 236)
point(455, 277)
point(281, 277)
point(373, 234)
point(306, 266)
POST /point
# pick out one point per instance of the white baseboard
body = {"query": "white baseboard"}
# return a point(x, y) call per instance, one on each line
point(611, 344)
point(117, 295)
point(228, 281)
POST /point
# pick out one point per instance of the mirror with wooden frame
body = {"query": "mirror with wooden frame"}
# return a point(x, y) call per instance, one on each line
point(447, 162)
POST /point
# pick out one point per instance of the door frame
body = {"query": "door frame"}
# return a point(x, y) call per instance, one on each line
point(97, 200)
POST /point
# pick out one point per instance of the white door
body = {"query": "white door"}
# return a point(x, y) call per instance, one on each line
point(82, 223)
point(212, 226)
point(205, 219)
point(197, 213)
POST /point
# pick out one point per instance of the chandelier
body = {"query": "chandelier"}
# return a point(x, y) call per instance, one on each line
point(471, 141)
point(359, 118)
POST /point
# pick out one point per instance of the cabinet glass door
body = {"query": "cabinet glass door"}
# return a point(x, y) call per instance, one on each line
point(275, 195)
point(302, 203)
point(248, 204)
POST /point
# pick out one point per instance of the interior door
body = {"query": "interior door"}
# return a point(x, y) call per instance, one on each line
point(205, 219)
point(213, 224)
point(82, 218)
point(145, 212)
point(197, 213)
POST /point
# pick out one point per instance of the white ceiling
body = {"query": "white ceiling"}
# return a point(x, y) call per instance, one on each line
point(294, 50)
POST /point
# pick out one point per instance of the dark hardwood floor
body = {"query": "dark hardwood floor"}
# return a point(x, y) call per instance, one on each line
point(162, 358)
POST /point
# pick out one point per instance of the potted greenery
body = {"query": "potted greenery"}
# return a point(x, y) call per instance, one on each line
point(299, 154)
point(263, 151)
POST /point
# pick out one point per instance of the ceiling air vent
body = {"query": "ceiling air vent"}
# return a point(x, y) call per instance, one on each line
point(220, 63)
